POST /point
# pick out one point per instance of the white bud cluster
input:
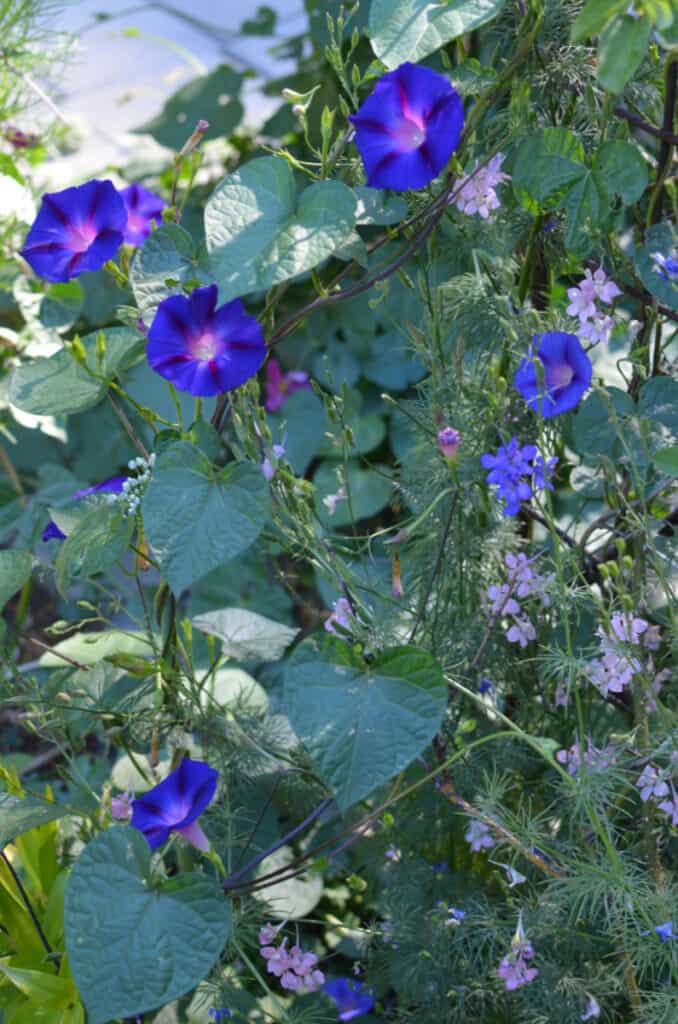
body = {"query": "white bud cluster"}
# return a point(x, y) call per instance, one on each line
point(135, 484)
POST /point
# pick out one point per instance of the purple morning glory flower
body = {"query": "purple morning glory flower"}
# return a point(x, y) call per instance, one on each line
point(175, 803)
point(352, 998)
point(566, 374)
point(113, 485)
point(202, 349)
point(408, 128)
point(75, 230)
point(143, 207)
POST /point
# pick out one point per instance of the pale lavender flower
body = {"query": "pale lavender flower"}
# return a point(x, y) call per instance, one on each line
point(392, 853)
point(121, 806)
point(514, 877)
point(592, 1009)
point(500, 602)
point(604, 287)
point(595, 759)
point(478, 835)
point(341, 615)
point(651, 784)
point(597, 329)
point(332, 500)
point(582, 300)
point(628, 628)
point(612, 673)
point(561, 696)
point(670, 807)
point(514, 969)
point(521, 631)
point(478, 190)
point(449, 440)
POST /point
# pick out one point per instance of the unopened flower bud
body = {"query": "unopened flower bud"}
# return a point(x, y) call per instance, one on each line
point(449, 440)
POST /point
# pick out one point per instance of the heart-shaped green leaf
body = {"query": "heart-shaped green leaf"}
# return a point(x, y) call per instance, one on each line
point(259, 233)
point(402, 30)
point(167, 256)
point(134, 945)
point(363, 725)
point(196, 517)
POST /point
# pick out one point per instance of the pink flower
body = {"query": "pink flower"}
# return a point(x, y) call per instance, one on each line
point(121, 806)
point(280, 386)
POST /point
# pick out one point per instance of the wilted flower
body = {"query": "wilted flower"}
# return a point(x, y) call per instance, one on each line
point(513, 968)
point(449, 440)
point(478, 835)
point(280, 386)
point(202, 349)
point(478, 190)
point(144, 208)
point(352, 998)
point(566, 372)
point(113, 485)
point(175, 804)
point(408, 128)
point(76, 230)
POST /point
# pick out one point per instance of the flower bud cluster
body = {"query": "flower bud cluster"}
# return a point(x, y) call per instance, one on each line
point(297, 970)
point(135, 485)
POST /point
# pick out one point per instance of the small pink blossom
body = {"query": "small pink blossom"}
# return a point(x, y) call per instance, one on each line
point(121, 806)
point(449, 440)
point(279, 385)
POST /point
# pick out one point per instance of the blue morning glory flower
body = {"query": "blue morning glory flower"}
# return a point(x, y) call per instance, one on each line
point(202, 349)
point(565, 371)
point(352, 998)
point(175, 804)
point(76, 230)
point(112, 485)
point(143, 208)
point(408, 128)
point(665, 931)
